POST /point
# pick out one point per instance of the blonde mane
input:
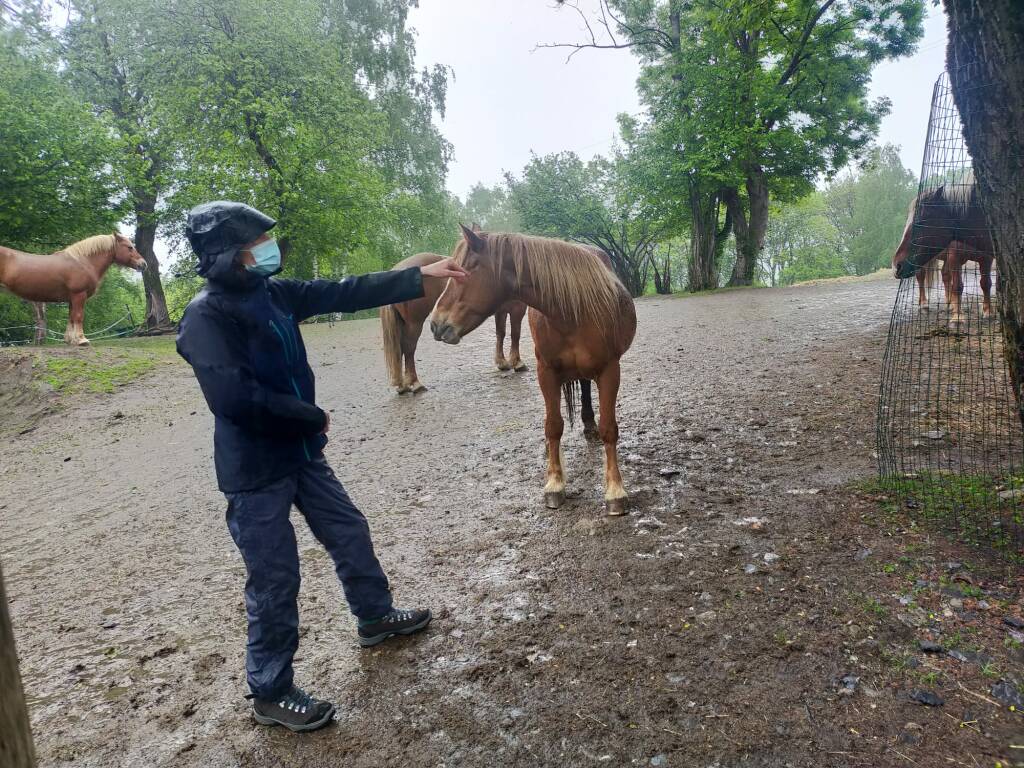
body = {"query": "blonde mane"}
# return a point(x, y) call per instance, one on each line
point(91, 246)
point(565, 275)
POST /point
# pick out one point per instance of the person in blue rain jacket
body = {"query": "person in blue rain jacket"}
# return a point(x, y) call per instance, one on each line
point(241, 336)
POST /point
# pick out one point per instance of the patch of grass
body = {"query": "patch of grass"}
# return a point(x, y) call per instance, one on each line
point(70, 375)
point(105, 367)
point(968, 505)
point(871, 605)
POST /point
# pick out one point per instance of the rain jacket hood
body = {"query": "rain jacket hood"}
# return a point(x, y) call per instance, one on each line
point(217, 231)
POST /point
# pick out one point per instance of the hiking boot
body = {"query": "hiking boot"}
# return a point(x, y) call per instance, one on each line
point(395, 622)
point(297, 711)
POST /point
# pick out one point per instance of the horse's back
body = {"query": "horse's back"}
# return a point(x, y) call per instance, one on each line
point(48, 277)
point(415, 311)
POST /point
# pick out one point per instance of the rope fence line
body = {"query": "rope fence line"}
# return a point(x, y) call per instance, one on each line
point(51, 335)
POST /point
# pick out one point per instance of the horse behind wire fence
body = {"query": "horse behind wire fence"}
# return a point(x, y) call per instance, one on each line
point(950, 439)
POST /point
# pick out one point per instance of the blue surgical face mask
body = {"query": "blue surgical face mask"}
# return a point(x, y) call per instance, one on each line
point(267, 256)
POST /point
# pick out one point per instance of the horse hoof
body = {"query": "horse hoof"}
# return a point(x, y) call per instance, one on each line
point(615, 507)
point(418, 387)
point(404, 390)
point(504, 366)
point(590, 432)
point(520, 367)
point(554, 499)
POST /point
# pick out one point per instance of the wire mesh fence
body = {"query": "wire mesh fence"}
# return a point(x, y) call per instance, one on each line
point(950, 441)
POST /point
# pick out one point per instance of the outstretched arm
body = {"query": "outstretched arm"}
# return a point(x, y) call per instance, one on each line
point(318, 297)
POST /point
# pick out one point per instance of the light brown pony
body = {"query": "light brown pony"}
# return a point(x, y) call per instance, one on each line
point(582, 320)
point(71, 275)
point(403, 323)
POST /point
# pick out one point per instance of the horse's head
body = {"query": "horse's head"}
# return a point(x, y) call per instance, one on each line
point(464, 306)
point(125, 253)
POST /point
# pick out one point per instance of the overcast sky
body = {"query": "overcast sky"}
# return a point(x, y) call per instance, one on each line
point(506, 98)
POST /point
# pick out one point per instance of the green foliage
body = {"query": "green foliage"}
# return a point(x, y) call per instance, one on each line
point(747, 100)
point(491, 208)
point(869, 210)
point(850, 228)
point(597, 203)
point(58, 184)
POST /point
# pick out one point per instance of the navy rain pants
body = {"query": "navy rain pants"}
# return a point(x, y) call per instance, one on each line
point(259, 524)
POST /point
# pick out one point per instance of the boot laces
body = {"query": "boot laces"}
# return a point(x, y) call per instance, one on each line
point(297, 700)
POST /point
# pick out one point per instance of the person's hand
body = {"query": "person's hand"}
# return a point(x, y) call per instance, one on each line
point(444, 269)
point(327, 423)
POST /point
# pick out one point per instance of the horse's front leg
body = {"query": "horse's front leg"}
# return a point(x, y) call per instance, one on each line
point(550, 387)
point(516, 321)
point(986, 287)
point(922, 292)
point(608, 391)
point(590, 430)
point(75, 333)
point(410, 340)
point(499, 349)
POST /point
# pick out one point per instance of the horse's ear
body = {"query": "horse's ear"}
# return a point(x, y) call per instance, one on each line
point(474, 240)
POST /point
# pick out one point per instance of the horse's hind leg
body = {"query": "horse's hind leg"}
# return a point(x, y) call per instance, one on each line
point(410, 339)
point(590, 430)
point(39, 311)
point(922, 292)
point(516, 318)
point(608, 390)
point(550, 387)
point(499, 331)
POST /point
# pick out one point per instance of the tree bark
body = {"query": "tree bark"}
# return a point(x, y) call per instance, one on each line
point(750, 231)
point(703, 271)
point(157, 316)
point(986, 71)
point(16, 750)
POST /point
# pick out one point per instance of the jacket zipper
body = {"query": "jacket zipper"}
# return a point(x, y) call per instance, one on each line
point(290, 359)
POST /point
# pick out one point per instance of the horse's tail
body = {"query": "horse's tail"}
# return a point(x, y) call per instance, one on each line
point(391, 323)
point(571, 390)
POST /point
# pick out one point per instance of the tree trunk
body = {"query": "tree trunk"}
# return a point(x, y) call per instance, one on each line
point(157, 317)
point(16, 749)
point(986, 71)
point(750, 231)
point(39, 312)
point(703, 272)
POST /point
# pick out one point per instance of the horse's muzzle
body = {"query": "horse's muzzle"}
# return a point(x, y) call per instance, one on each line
point(444, 332)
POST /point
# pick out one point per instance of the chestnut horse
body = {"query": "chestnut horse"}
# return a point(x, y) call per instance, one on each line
point(71, 275)
point(403, 323)
point(947, 222)
point(582, 320)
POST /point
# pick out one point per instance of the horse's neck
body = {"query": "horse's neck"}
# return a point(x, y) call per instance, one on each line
point(100, 262)
point(527, 291)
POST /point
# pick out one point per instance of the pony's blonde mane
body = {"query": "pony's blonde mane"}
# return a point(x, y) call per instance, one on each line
point(91, 246)
point(960, 193)
point(566, 276)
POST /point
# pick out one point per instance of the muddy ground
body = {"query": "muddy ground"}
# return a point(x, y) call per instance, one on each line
point(686, 634)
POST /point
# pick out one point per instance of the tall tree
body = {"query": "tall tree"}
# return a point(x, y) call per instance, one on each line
point(753, 100)
point(115, 61)
point(986, 69)
point(561, 196)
